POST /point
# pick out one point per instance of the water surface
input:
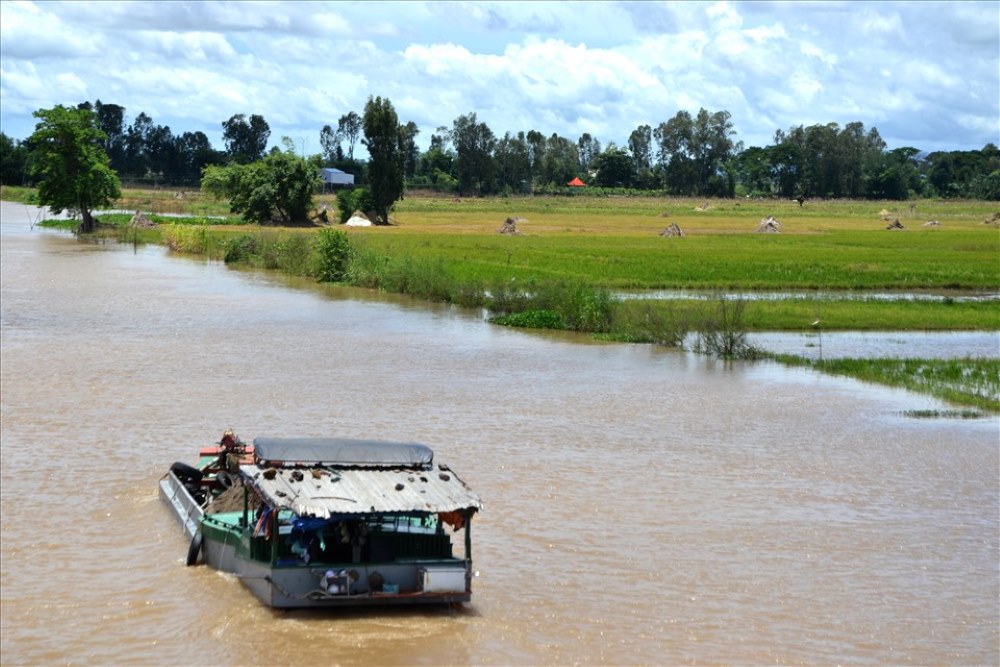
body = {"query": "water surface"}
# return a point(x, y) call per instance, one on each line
point(643, 506)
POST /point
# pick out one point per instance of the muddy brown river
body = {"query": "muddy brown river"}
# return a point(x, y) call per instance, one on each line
point(643, 506)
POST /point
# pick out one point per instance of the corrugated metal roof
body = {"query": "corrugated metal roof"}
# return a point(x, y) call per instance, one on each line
point(322, 492)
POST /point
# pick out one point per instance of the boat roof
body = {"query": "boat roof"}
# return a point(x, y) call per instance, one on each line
point(328, 492)
point(342, 452)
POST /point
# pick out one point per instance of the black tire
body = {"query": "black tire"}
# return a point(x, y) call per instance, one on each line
point(224, 480)
point(195, 549)
point(186, 473)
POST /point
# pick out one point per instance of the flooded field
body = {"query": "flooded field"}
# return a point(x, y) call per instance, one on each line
point(643, 506)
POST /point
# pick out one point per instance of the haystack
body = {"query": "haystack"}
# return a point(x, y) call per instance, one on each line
point(140, 220)
point(359, 219)
point(885, 215)
point(895, 225)
point(995, 220)
point(768, 225)
point(509, 226)
point(672, 230)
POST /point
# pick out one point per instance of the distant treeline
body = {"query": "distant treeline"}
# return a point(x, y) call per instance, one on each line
point(697, 155)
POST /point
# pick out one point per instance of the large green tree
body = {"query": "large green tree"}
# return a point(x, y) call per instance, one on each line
point(386, 144)
point(70, 165)
point(278, 188)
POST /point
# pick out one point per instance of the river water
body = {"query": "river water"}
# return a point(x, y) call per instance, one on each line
point(643, 506)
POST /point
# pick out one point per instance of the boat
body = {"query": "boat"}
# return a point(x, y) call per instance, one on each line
point(327, 522)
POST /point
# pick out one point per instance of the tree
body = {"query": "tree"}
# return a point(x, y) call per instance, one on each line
point(136, 145)
point(589, 148)
point(277, 188)
point(13, 161)
point(436, 165)
point(412, 153)
point(194, 153)
point(330, 143)
point(70, 164)
point(754, 171)
point(349, 127)
point(245, 140)
point(560, 161)
point(694, 153)
point(513, 160)
point(474, 145)
point(963, 173)
point(614, 168)
point(640, 146)
point(111, 121)
point(161, 152)
point(536, 151)
point(385, 143)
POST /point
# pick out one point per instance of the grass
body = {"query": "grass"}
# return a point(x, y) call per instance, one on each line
point(970, 381)
point(844, 260)
point(799, 314)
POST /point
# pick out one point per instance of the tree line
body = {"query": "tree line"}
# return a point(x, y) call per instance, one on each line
point(688, 154)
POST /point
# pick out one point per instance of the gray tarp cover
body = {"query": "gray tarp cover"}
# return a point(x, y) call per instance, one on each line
point(343, 451)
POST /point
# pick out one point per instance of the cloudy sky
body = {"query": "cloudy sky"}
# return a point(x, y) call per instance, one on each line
point(926, 74)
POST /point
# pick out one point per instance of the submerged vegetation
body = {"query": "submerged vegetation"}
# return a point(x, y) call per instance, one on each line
point(576, 257)
point(968, 381)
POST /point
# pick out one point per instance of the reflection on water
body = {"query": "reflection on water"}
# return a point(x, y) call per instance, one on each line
point(643, 506)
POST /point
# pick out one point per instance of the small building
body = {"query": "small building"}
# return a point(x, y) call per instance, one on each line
point(335, 178)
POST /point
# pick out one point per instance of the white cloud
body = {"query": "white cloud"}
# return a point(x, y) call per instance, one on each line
point(926, 70)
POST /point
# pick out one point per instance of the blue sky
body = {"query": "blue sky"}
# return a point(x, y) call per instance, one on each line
point(926, 74)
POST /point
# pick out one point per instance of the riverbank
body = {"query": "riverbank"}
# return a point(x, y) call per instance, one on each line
point(573, 251)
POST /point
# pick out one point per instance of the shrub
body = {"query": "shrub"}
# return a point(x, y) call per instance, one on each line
point(294, 255)
point(648, 322)
point(241, 248)
point(509, 297)
point(532, 319)
point(334, 255)
point(186, 238)
point(724, 335)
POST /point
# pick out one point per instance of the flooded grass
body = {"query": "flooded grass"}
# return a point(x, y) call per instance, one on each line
point(973, 382)
point(944, 414)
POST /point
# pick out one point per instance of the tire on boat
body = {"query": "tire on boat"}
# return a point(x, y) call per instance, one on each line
point(186, 473)
point(225, 480)
point(194, 550)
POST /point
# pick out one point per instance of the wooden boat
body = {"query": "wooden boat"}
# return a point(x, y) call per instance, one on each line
point(327, 522)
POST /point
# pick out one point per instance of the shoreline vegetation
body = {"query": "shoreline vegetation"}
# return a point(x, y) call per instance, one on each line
point(572, 254)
